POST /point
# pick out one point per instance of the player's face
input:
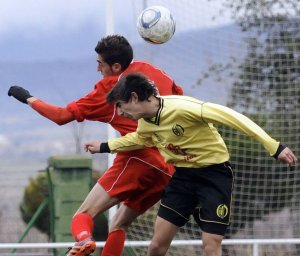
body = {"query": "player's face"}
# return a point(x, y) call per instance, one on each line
point(104, 68)
point(132, 110)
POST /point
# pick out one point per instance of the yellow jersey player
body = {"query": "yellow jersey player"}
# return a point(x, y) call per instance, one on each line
point(182, 128)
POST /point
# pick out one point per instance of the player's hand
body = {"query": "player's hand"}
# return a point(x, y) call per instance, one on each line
point(19, 93)
point(288, 157)
point(92, 147)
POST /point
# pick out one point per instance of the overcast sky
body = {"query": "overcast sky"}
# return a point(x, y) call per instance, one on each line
point(45, 16)
point(18, 15)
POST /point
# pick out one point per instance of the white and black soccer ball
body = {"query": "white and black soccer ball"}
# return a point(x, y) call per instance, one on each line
point(156, 24)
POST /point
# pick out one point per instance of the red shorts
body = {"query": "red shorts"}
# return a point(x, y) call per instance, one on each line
point(137, 178)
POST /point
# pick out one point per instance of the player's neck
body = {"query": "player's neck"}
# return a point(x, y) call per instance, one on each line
point(151, 107)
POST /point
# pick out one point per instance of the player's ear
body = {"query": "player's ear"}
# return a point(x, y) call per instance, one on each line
point(134, 97)
point(116, 68)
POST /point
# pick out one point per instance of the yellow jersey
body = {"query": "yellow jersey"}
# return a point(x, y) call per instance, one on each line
point(184, 133)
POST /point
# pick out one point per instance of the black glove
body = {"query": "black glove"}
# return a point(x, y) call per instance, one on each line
point(19, 93)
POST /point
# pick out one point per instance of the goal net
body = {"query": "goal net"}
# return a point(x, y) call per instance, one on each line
point(246, 55)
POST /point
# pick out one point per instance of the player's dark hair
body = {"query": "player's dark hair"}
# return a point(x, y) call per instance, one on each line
point(134, 82)
point(115, 49)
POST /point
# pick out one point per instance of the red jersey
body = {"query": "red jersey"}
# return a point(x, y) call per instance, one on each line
point(94, 106)
point(136, 178)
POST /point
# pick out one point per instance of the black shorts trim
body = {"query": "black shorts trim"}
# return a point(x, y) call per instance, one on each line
point(172, 215)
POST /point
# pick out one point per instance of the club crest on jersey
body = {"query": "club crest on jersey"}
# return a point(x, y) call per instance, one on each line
point(178, 130)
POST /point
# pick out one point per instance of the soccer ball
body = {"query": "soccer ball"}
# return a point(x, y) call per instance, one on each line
point(156, 25)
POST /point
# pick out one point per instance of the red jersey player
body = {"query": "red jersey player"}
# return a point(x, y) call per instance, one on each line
point(136, 178)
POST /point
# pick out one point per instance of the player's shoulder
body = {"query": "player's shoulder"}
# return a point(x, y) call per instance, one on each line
point(181, 99)
point(184, 106)
point(146, 68)
point(107, 83)
point(140, 66)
